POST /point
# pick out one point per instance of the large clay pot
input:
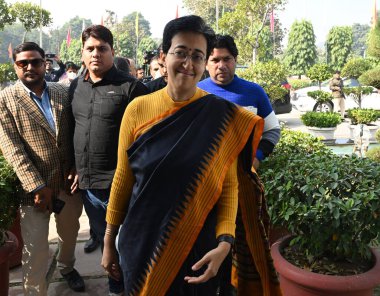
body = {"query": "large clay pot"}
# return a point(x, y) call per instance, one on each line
point(295, 281)
point(16, 257)
point(6, 251)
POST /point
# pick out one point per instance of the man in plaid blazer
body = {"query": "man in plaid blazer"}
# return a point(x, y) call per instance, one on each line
point(35, 140)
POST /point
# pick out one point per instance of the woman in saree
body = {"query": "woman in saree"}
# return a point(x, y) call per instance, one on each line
point(175, 189)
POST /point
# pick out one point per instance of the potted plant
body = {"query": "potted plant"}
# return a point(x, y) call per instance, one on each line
point(366, 117)
point(321, 124)
point(9, 204)
point(294, 143)
point(331, 206)
point(323, 101)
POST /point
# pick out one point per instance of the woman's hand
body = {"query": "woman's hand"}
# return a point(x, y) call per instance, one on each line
point(213, 260)
point(110, 258)
point(110, 262)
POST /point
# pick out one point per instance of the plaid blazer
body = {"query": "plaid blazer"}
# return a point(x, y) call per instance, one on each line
point(37, 153)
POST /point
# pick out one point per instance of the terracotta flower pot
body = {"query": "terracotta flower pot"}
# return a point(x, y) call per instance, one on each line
point(16, 257)
point(6, 251)
point(299, 282)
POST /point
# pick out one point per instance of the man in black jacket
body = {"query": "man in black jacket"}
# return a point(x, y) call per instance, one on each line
point(99, 97)
point(52, 75)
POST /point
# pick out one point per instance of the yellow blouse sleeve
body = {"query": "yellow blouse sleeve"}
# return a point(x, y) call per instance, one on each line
point(124, 179)
point(228, 203)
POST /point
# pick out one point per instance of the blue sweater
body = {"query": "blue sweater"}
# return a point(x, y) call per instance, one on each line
point(253, 97)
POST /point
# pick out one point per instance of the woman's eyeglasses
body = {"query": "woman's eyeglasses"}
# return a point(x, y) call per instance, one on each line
point(182, 55)
point(34, 63)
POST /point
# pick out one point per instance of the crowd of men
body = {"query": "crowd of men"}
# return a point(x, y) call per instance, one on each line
point(59, 130)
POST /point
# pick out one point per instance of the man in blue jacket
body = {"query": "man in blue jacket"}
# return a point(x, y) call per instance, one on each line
point(225, 83)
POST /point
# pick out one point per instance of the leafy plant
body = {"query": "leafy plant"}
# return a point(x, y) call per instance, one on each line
point(9, 198)
point(299, 83)
point(320, 119)
point(362, 116)
point(374, 154)
point(7, 73)
point(319, 73)
point(356, 67)
point(269, 75)
point(320, 96)
point(371, 78)
point(301, 52)
point(338, 44)
point(329, 202)
point(377, 135)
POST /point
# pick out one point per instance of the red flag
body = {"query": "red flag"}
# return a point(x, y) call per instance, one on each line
point(10, 51)
point(101, 21)
point(68, 37)
point(176, 12)
point(272, 21)
point(374, 15)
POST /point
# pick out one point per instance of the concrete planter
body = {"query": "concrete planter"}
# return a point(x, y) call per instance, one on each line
point(326, 133)
point(371, 128)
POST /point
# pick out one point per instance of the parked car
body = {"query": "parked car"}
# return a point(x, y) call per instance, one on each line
point(284, 105)
point(302, 102)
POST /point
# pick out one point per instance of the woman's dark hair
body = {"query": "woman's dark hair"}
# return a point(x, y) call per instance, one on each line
point(189, 23)
point(27, 46)
point(121, 64)
point(71, 65)
point(97, 32)
point(226, 41)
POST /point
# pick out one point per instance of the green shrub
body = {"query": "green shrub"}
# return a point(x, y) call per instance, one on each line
point(320, 96)
point(320, 119)
point(330, 203)
point(356, 67)
point(319, 72)
point(269, 75)
point(377, 135)
point(9, 197)
point(371, 78)
point(7, 73)
point(298, 83)
point(374, 154)
point(362, 116)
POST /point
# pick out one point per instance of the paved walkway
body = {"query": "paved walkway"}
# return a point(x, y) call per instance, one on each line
point(88, 265)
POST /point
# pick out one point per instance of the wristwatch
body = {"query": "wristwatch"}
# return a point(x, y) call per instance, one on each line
point(226, 238)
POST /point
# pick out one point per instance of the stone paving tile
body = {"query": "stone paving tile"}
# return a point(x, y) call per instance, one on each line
point(15, 274)
point(94, 287)
point(88, 265)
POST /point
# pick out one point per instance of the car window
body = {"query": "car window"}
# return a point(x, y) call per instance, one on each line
point(351, 82)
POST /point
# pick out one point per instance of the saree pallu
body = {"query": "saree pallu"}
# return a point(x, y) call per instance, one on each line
point(179, 163)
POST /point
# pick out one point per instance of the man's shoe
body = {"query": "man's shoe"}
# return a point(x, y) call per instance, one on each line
point(74, 280)
point(91, 245)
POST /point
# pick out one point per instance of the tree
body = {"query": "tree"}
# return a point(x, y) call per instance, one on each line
point(146, 44)
point(359, 39)
point(207, 9)
point(373, 49)
point(247, 22)
point(269, 75)
point(71, 53)
point(301, 52)
point(356, 67)
point(6, 17)
point(338, 44)
point(125, 34)
point(30, 16)
point(319, 73)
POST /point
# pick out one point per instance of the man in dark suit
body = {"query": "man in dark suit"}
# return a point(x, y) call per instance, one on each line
point(35, 139)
